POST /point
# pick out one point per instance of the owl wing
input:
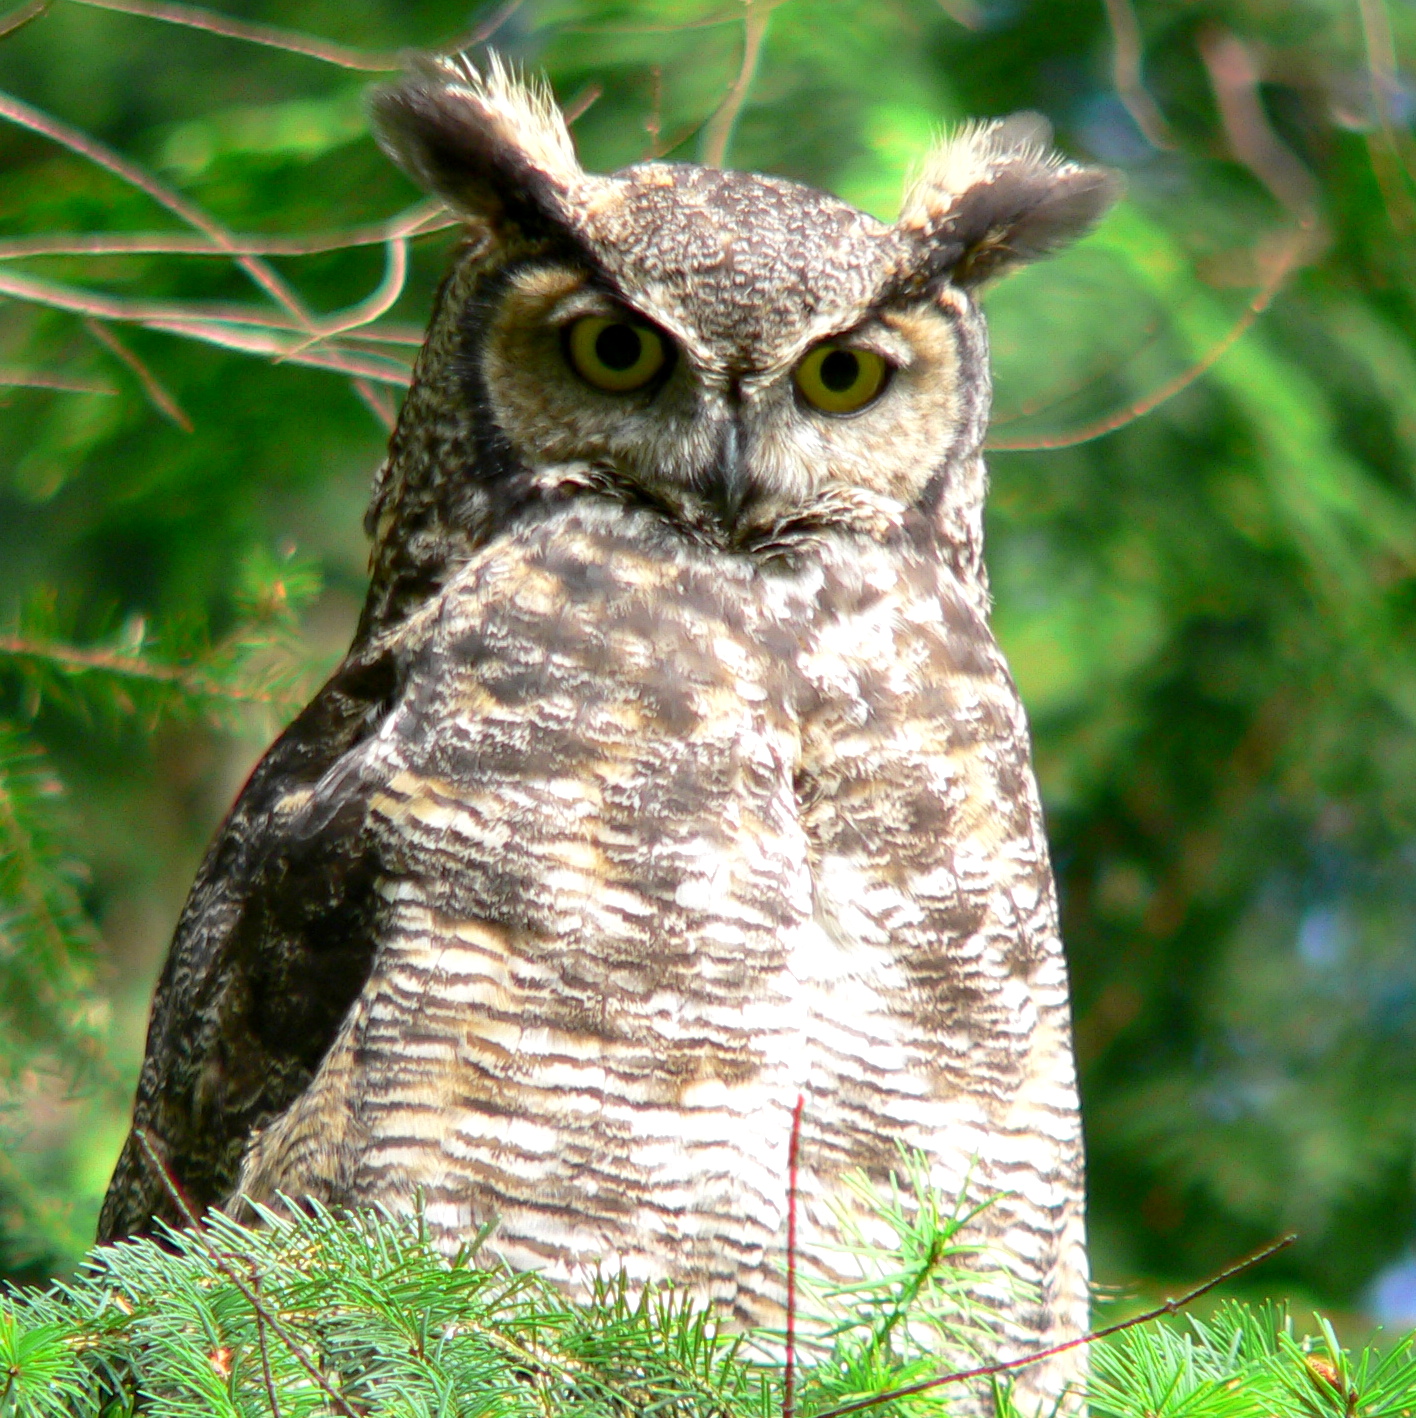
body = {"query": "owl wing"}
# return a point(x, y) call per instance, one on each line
point(273, 946)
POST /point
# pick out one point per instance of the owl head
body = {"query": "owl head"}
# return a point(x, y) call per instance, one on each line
point(733, 347)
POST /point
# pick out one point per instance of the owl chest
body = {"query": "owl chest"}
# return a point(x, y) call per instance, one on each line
point(590, 810)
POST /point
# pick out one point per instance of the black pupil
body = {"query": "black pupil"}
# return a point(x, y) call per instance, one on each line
point(839, 370)
point(617, 347)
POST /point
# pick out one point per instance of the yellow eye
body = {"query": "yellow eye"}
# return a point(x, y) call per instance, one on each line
point(615, 355)
point(839, 380)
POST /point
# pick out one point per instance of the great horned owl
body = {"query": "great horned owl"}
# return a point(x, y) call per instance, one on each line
point(674, 770)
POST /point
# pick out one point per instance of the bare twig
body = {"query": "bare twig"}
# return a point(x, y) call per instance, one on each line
point(161, 400)
point(33, 379)
point(22, 15)
point(169, 1183)
point(718, 131)
point(17, 111)
point(73, 660)
point(987, 1371)
point(420, 220)
point(580, 104)
point(1051, 398)
point(483, 32)
point(264, 1347)
point(369, 61)
point(1235, 76)
point(964, 12)
point(245, 333)
point(654, 123)
point(258, 271)
point(1289, 258)
point(793, 1177)
point(1126, 74)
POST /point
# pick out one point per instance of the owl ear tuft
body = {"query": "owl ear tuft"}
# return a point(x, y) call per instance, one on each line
point(493, 146)
point(994, 196)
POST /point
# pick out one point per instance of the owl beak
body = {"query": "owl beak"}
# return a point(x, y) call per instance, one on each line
point(729, 482)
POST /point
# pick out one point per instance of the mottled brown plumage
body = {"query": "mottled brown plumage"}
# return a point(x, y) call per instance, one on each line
point(674, 769)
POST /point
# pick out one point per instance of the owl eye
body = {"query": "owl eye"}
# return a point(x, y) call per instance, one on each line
point(616, 355)
point(839, 380)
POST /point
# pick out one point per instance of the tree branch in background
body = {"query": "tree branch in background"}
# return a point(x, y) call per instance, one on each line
point(1251, 138)
point(35, 379)
point(419, 220)
point(1234, 76)
point(22, 15)
point(160, 399)
point(169, 1184)
point(718, 131)
point(987, 1371)
point(1126, 74)
point(343, 56)
point(1288, 258)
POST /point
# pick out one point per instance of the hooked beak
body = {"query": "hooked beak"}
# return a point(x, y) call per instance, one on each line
point(729, 482)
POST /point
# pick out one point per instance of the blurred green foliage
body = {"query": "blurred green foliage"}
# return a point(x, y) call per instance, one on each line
point(1202, 535)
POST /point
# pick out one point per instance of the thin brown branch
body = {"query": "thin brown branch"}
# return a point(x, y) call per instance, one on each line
point(1126, 74)
point(420, 220)
point(73, 660)
point(160, 399)
point(987, 1371)
point(220, 1261)
point(654, 122)
point(379, 302)
point(483, 32)
point(245, 333)
point(102, 156)
point(369, 61)
point(718, 132)
point(580, 104)
point(963, 12)
point(32, 379)
point(264, 1346)
point(1099, 370)
point(22, 15)
point(256, 269)
point(1298, 246)
point(1234, 76)
point(379, 402)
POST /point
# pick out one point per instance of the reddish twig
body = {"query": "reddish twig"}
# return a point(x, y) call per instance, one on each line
point(580, 104)
point(264, 1347)
point(22, 15)
point(72, 660)
point(654, 123)
point(36, 379)
point(1099, 370)
point(1234, 76)
point(1297, 247)
point(420, 220)
point(161, 400)
point(793, 1173)
point(270, 36)
point(263, 1314)
point(987, 1371)
point(1126, 74)
point(718, 131)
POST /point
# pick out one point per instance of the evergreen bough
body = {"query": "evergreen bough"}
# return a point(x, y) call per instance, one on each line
point(312, 1313)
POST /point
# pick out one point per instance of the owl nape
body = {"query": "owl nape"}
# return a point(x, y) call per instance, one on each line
point(674, 770)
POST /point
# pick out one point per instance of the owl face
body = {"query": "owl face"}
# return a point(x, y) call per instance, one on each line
point(706, 355)
point(731, 344)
